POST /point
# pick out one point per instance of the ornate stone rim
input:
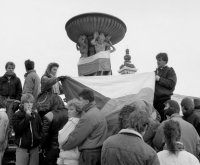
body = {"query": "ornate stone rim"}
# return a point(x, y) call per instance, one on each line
point(73, 26)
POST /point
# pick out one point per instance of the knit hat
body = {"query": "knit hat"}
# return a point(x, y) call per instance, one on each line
point(173, 107)
point(197, 103)
point(187, 103)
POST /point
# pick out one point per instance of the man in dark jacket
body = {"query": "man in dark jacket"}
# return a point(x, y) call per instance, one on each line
point(128, 147)
point(27, 126)
point(32, 81)
point(165, 84)
point(11, 88)
point(90, 132)
point(53, 122)
point(189, 114)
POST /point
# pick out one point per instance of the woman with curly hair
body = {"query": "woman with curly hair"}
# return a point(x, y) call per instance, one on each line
point(69, 157)
point(49, 86)
point(174, 153)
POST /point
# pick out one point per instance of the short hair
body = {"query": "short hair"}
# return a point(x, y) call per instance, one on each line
point(29, 64)
point(172, 133)
point(124, 116)
point(3, 102)
point(10, 63)
point(27, 98)
point(138, 120)
point(76, 103)
point(87, 94)
point(49, 67)
point(196, 103)
point(173, 107)
point(162, 56)
point(187, 103)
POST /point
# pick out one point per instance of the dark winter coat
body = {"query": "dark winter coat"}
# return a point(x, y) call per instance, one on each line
point(53, 122)
point(12, 88)
point(27, 129)
point(193, 117)
point(165, 86)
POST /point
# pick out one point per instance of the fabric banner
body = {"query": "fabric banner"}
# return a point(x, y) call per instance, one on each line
point(95, 63)
point(113, 92)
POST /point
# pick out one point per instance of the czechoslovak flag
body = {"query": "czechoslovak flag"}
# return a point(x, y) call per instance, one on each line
point(113, 92)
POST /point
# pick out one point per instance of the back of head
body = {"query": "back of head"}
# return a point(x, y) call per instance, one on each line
point(3, 102)
point(172, 133)
point(29, 65)
point(162, 56)
point(187, 103)
point(197, 103)
point(173, 107)
point(87, 94)
point(124, 116)
point(138, 120)
point(56, 103)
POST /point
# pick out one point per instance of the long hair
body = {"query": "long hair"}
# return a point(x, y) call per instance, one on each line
point(172, 133)
point(56, 103)
point(49, 67)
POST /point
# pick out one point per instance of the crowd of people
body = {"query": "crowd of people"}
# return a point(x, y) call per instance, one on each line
point(77, 133)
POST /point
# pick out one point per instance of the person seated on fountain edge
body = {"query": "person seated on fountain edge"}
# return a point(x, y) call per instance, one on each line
point(100, 44)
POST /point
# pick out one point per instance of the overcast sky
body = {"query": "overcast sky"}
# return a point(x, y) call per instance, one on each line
point(35, 29)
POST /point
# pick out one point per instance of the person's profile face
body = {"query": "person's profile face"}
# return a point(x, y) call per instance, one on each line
point(83, 102)
point(160, 63)
point(54, 70)
point(10, 68)
point(72, 111)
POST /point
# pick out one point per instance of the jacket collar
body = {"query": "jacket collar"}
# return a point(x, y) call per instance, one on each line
point(131, 131)
point(29, 72)
point(89, 106)
point(188, 113)
point(2, 110)
point(175, 115)
point(6, 77)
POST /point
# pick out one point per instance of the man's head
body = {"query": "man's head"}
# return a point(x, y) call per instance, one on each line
point(162, 59)
point(29, 65)
point(124, 115)
point(10, 67)
point(187, 104)
point(139, 121)
point(197, 103)
point(171, 107)
point(3, 102)
point(86, 96)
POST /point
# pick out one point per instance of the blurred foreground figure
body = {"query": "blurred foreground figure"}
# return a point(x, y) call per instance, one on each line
point(4, 122)
point(128, 147)
point(174, 153)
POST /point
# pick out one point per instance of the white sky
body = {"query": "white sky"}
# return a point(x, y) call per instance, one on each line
point(35, 29)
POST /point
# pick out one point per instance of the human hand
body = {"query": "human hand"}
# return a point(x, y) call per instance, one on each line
point(61, 78)
point(157, 78)
point(15, 106)
point(96, 34)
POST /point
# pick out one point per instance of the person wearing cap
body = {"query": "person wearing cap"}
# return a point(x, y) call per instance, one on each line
point(189, 135)
point(189, 114)
point(165, 83)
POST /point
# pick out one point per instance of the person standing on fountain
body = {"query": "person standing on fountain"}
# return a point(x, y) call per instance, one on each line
point(82, 46)
point(165, 84)
point(100, 44)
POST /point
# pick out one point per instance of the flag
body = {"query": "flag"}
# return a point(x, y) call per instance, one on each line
point(113, 92)
point(95, 63)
